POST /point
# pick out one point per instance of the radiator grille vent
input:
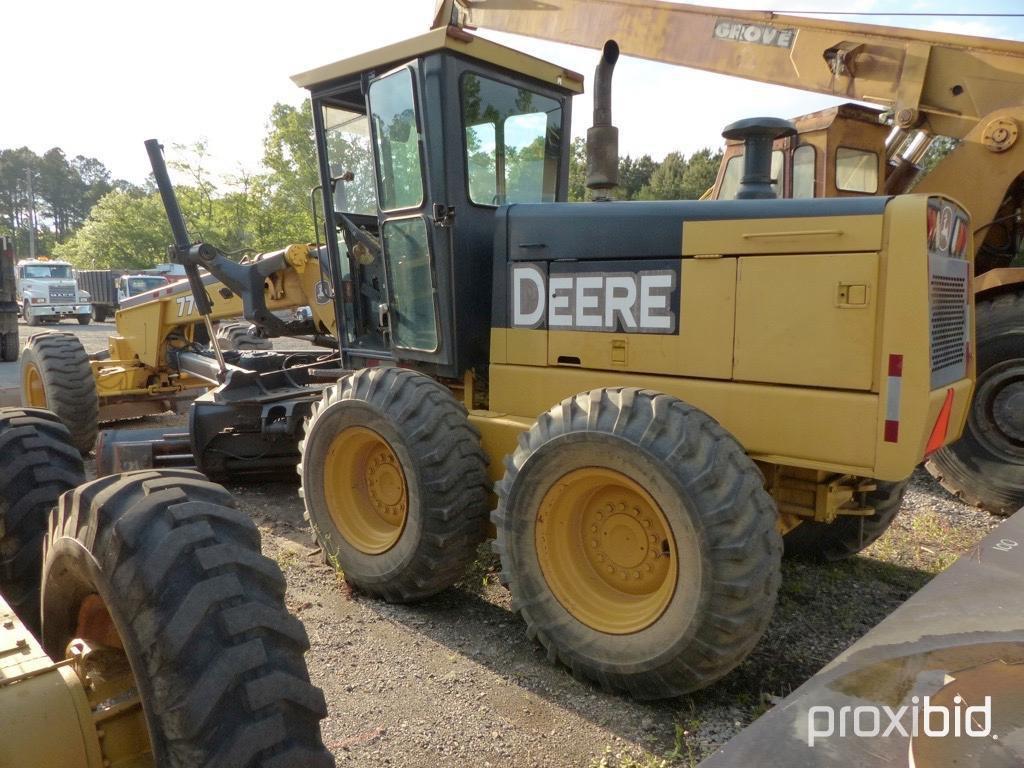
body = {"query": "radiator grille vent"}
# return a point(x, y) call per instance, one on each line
point(950, 319)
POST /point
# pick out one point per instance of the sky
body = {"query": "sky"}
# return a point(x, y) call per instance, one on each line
point(98, 77)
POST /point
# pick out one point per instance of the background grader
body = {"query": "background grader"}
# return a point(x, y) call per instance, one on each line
point(926, 84)
point(654, 391)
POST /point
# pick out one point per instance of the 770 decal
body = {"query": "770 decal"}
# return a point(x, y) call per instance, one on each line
point(186, 305)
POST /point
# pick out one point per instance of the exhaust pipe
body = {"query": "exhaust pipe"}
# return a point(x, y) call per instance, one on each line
point(603, 137)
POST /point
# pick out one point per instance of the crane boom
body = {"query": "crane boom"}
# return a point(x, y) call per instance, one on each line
point(943, 83)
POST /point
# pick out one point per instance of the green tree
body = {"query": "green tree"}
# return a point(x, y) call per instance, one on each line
point(124, 230)
point(679, 178)
point(578, 170)
point(634, 175)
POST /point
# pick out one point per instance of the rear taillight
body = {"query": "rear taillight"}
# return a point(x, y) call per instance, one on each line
point(933, 226)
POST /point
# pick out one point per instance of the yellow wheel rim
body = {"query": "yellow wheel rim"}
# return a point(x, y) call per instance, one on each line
point(101, 663)
point(32, 386)
point(606, 550)
point(365, 489)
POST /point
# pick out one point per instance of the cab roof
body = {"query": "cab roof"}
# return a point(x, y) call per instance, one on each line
point(44, 260)
point(442, 39)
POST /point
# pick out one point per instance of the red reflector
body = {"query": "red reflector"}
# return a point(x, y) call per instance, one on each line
point(941, 428)
point(895, 365)
point(892, 431)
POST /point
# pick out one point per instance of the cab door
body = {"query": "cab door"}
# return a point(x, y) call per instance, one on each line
point(415, 238)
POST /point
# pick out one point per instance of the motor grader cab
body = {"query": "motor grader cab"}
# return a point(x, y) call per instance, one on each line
point(654, 391)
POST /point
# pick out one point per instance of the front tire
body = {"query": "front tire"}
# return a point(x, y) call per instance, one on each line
point(394, 483)
point(161, 570)
point(40, 463)
point(985, 467)
point(30, 319)
point(240, 336)
point(638, 542)
point(84, 319)
point(56, 374)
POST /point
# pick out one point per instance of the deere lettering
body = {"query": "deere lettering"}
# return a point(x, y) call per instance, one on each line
point(618, 302)
point(761, 34)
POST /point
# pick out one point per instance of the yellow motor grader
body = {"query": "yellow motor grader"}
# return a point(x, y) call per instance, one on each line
point(653, 392)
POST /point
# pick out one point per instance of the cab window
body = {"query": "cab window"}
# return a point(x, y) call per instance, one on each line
point(803, 171)
point(397, 142)
point(414, 323)
point(734, 173)
point(351, 160)
point(856, 170)
point(513, 142)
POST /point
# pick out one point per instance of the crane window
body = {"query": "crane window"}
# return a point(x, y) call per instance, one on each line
point(513, 142)
point(803, 171)
point(396, 141)
point(856, 170)
point(734, 173)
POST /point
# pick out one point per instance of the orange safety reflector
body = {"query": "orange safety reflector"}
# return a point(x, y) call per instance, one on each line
point(941, 428)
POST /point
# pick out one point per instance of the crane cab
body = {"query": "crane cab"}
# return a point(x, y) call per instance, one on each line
point(418, 143)
point(837, 152)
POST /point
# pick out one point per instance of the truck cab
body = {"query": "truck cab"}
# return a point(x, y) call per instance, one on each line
point(132, 285)
point(48, 292)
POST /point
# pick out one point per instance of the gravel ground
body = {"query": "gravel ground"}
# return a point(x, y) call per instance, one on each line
point(454, 681)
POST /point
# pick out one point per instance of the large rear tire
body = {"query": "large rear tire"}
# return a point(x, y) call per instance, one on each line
point(56, 374)
point(240, 336)
point(985, 467)
point(395, 483)
point(39, 464)
point(848, 534)
point(161, 570)
point(638, 542)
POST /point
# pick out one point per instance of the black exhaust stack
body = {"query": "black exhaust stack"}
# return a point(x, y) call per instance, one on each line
point(758, 134)
point(603, 137)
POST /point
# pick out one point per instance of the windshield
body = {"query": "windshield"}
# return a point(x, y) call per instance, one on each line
point(47, 271)
point(143, 284)
point(348, 151)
